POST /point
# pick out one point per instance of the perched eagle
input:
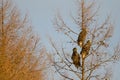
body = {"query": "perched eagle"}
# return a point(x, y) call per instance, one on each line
point(76, 58)
point(81, 37)
point(86, 49)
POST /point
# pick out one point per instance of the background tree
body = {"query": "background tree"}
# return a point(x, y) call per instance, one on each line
point(96, 56)
point(21, 54)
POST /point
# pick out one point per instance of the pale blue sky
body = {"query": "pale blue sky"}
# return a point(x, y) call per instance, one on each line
point(41, 13)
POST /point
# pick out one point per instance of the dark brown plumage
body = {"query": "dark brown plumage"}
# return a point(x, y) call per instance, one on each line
point(86, 49)
point(81, 37)
point(76, 58)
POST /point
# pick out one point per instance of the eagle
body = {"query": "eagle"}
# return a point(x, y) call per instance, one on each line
point(76, 58)
point(86, 48)
point(81, 37)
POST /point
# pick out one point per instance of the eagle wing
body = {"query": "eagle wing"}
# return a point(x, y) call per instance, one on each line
point(81, 37)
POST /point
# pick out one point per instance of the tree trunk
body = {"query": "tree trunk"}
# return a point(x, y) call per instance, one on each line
point(83, 60)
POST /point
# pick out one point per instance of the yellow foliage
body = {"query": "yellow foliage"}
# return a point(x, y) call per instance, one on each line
point(19, 48)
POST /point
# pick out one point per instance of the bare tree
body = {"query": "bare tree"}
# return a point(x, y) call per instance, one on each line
point(21, 55)
point(92, 39)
